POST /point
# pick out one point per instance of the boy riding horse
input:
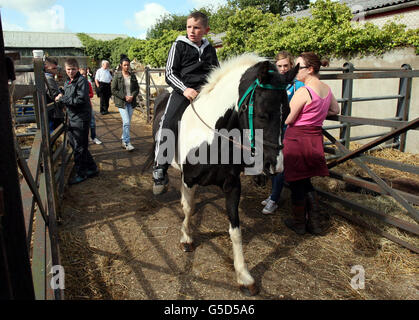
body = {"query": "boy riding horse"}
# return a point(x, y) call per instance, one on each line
point(190, 60)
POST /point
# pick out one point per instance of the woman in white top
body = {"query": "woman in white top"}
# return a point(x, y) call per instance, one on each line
point(125, 90)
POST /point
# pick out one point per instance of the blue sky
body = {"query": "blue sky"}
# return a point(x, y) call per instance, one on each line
point(130, 17)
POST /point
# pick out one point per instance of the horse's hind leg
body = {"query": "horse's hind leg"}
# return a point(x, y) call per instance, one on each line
point(188, 206)
point(245, 280)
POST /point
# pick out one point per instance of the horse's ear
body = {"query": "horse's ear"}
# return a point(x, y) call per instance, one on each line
point(263, 72)
point(290, 75)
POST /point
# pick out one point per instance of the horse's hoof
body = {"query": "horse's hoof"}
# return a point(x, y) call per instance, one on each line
point(159, 189)
point(250, 290)
point(187, 247)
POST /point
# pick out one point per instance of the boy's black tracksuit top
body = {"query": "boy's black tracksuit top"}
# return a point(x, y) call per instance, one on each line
point(189, 65)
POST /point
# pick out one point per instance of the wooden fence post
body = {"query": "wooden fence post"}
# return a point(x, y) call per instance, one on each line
point(147, 92)
point(48, 165)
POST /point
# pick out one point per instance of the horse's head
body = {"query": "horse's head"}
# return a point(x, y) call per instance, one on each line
point(263, 104)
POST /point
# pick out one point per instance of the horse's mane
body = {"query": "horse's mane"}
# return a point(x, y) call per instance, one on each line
point(231, 65)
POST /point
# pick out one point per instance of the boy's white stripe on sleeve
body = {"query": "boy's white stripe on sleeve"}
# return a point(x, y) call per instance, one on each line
point(169, 69)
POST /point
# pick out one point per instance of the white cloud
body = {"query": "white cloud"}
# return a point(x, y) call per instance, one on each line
point(147, 17)
point(205, 3)
point(27, 5)
point(142, 35)
point(52, 19)
point(10, 26)
point(41, 15)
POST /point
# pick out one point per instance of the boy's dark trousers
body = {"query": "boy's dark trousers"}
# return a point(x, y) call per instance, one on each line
point(104, 94)
point(175, 108)
point(78, 134)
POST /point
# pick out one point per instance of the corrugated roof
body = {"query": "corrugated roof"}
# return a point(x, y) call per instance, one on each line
point(372, 4)
point(356, 4)
point(26, 39)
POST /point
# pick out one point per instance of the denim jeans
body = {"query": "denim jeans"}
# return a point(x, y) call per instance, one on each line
point(93, 126)
point(126, 115)
point(277, 185)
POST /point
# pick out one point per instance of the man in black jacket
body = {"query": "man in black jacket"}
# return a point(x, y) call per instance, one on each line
point(56, 115)
point(190, 60)
point(77, 101)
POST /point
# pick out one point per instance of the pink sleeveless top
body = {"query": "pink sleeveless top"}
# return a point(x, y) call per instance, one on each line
point(314, 113)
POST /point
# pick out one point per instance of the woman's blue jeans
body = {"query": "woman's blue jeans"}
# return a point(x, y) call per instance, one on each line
point(126, 115)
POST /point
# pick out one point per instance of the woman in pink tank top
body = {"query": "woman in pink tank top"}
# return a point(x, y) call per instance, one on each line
point(303, 145)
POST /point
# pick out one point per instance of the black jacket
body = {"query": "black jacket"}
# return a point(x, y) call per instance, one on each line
point(188, 65)
point(76, 99)
point(53, 91)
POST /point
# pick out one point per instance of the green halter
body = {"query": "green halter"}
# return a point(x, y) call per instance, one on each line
point(251, 90)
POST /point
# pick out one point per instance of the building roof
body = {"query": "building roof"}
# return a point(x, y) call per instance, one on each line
point(372, 4)
point(26, 39)
point(359, 5)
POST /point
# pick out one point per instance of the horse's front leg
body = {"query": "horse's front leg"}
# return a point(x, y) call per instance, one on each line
point(232, 190)
point(188, 206)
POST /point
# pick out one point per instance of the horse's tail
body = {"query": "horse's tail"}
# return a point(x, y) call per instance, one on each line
point(149, 161)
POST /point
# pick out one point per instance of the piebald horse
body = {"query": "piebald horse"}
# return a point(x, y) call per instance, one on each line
point(245, 95)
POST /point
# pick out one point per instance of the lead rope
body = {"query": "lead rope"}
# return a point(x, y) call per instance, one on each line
point(251, 90)
point(220, 134)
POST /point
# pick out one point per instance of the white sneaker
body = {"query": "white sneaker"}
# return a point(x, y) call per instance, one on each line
point(265, 202)
point(128, 146)
point(97, 141)
point(270, 207)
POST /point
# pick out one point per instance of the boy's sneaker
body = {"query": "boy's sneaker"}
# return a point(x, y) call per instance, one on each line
point(128, 146)
point(77, 179)
point(92, 173)
point(97, 141)
point(265, 202)
point(270, 207)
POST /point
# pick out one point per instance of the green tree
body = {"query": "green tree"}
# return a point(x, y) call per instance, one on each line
point(120, 46)
point(154, 52)
point(96, 49)
point(329, 31)
point(273, 6)
point(218, 20)
point(167, 22)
